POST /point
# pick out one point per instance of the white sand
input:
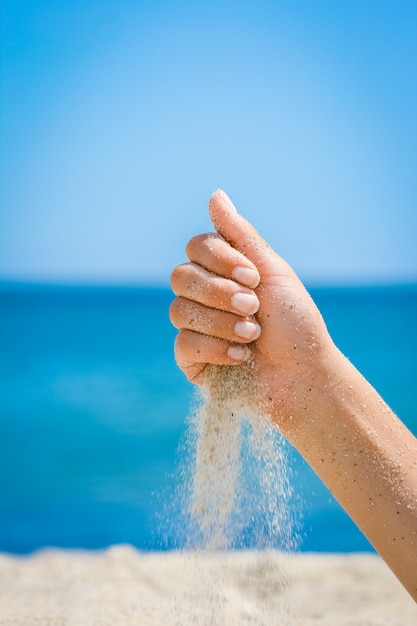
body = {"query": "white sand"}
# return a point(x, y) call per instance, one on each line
point(124, 586)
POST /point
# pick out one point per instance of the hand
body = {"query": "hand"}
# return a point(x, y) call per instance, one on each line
point(236, 299)
point(236, 285)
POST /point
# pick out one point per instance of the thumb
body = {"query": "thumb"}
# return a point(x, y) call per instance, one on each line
point(237, 231)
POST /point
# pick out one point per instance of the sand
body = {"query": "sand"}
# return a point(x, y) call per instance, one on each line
point(235, 476)
point(121, 586)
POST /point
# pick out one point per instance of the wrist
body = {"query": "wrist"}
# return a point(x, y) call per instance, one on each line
point(312, 395)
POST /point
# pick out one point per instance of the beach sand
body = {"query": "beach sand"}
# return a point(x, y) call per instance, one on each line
point(122, 586)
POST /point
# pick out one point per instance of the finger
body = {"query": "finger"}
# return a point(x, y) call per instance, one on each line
point(236, 230)
point(186, 314)
point(193, 351)
point(194, 282)
point(218, 256)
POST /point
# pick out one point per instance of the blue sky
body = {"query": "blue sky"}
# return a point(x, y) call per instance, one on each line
point(119, 118)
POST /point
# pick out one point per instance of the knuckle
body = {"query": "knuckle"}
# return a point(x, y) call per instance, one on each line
point(173, 279)
point(174, 313)
point(201, 244)
point(177, 277)
point(179, 349)
point(182, 343)
point(194, 245)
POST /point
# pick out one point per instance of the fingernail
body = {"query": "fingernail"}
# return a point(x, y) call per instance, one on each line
point(238, 353)
point(246, 276)
point(247, 330)
point(245, 303)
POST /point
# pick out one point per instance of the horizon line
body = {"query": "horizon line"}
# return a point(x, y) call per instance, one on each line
point(85, 285)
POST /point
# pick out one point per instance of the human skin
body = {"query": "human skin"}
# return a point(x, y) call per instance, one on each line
point(237, 299)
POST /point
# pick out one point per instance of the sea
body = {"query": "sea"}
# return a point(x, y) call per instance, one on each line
point(94, 412)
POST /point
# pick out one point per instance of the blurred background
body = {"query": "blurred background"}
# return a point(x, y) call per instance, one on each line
point(117, 121)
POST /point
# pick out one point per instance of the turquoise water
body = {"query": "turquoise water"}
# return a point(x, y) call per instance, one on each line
point(92, 409)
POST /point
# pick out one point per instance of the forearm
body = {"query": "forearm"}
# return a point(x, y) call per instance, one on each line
point(366, 457)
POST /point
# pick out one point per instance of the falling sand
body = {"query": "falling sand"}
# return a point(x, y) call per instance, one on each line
point(240, 480)
point(236, 491)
